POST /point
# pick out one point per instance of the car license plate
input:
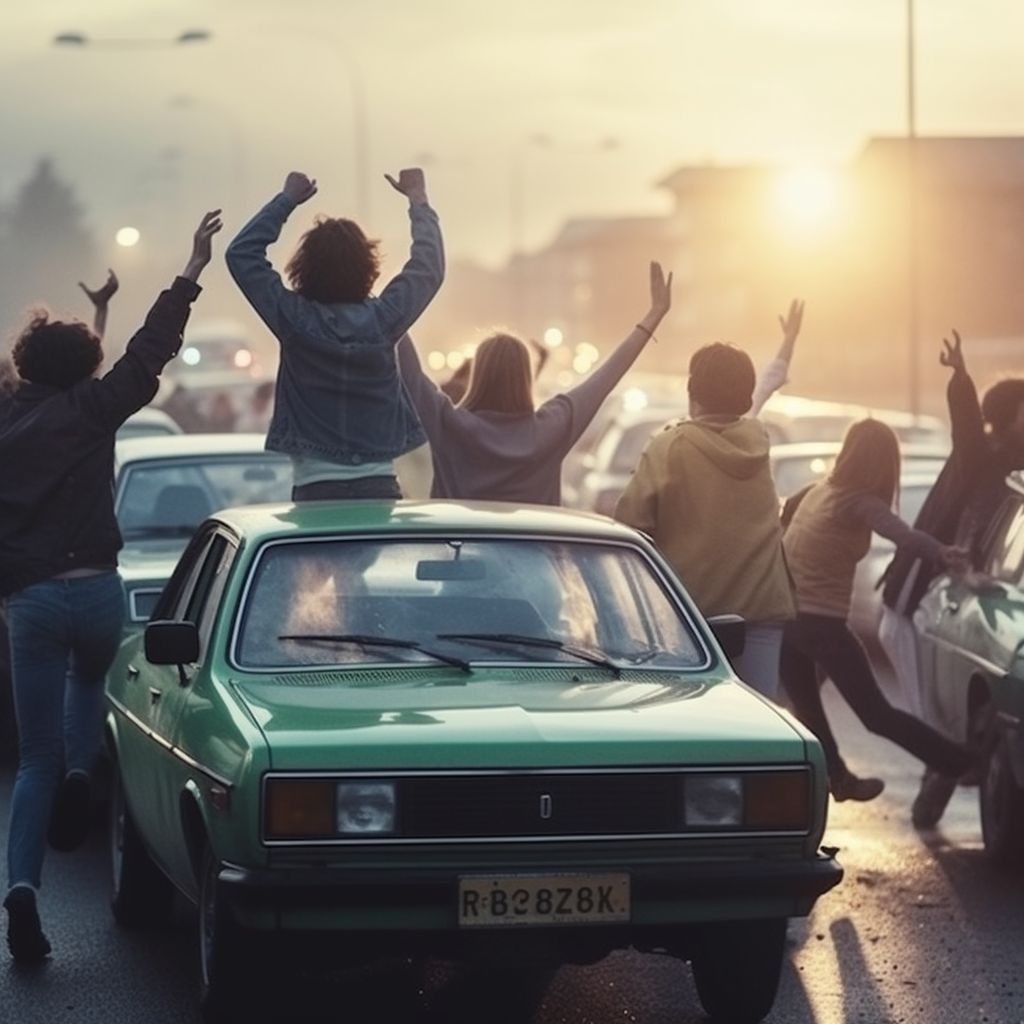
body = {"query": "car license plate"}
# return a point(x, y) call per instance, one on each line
point(510, 900)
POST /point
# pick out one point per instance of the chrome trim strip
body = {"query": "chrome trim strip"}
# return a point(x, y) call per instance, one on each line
point(171, 749)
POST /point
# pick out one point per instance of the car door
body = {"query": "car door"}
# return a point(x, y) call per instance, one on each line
point(968, 634)
point(161, 692)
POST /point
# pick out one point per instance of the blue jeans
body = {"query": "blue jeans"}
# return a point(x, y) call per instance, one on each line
point(64, 634)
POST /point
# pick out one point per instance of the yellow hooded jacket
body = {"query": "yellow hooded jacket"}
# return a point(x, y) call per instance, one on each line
point(703, 490)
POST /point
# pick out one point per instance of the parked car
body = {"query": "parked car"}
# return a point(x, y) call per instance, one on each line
point(971, 649)
point(603, 472)
point(495, 734)
point(791, 418)
point(799, 463)
point(165, 486)
point(147, 422)
point(916, 481)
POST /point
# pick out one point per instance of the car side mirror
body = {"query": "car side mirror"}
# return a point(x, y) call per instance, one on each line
point(730, 632)
point(171, 643)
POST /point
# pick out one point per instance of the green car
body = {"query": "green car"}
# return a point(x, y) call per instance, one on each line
point(486, 732)
point(971, 650)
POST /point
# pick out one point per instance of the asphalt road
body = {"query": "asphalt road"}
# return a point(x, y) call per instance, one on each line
point(921, 931)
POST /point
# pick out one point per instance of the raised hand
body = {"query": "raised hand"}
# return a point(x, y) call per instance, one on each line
point(299, 187)
point(953, 356)
point(102, 295)
point(792, 321)
point(202, 244)
point(661, 290)
point(411, 182)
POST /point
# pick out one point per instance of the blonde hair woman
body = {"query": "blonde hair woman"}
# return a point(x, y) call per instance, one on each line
point(496, 444)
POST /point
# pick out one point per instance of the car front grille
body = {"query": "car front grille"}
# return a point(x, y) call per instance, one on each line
point(539, 805)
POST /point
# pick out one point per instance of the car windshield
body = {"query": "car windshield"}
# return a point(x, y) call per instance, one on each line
point(485, 600)
point(171, 497)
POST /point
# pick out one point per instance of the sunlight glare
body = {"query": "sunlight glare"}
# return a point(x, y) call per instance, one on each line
point(807, 195)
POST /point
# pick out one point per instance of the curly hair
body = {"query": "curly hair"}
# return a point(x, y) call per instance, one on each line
point(334, 262)
point(722, 379)
point(58, 353)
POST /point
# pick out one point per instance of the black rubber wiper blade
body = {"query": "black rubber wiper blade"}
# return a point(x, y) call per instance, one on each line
point(583, 653)
point(366, 640)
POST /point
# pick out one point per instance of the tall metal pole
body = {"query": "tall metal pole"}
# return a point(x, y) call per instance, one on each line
point(913, 216)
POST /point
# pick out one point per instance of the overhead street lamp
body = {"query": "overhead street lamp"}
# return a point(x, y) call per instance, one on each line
point(127, 43)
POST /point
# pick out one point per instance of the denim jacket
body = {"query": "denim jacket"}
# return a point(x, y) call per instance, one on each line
point(339, 396)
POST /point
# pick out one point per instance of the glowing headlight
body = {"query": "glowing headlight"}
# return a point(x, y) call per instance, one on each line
point(366, 807)
point(713, 801)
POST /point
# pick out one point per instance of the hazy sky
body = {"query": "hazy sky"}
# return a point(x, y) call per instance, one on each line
point(624, 91)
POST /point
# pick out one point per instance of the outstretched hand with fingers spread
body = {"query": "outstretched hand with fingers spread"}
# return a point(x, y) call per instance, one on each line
point(202, 244)
point(953, 356)
point(102, 295)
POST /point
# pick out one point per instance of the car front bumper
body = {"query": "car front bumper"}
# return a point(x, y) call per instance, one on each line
point(378, 911)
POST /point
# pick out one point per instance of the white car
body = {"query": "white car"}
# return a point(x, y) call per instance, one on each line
point(165, 486)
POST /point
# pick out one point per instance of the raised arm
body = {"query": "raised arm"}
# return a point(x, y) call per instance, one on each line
point(100, 299)
point(966, 424)
point(409, 293)
point(592, 391)
point(776, 373)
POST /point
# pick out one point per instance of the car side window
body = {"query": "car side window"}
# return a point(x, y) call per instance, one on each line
point(1006, 559)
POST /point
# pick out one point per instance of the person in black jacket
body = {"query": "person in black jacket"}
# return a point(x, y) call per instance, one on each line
point(988, 444)
point(59, 541)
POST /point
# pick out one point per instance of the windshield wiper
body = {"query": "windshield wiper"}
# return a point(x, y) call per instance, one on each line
point(365, 640)
point(583, 653)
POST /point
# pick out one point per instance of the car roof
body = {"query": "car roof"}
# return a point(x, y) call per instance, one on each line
point(429, 517)
point(170, 446)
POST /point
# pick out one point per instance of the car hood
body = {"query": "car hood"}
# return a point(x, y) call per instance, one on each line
point(645, 719)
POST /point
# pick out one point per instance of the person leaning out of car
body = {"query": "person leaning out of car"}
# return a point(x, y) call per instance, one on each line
point(59, 542)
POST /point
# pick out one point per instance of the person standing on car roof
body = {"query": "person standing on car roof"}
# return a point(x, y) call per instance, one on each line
point(703, 490)
point(340, 411)
point(828, 527)
point(988, 444)
point(59, 541)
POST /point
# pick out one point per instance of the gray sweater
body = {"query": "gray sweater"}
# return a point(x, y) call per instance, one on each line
point(496, 456)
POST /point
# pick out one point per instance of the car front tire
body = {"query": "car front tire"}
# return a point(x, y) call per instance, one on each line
point(141, 895)
point(224, 954)
point(1002, 810)
point(736, 969)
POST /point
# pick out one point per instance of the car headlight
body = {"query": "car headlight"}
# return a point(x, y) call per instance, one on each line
point(757, 801)
point(366, 808)
point(713, 801)
point(327, 808)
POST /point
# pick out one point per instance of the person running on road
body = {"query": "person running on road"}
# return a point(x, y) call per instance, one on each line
point(59, 540)
point(828, 527)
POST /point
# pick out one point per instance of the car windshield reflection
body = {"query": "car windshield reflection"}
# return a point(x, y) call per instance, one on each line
point(485, 600)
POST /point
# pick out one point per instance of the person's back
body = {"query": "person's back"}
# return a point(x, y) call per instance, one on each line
point(703, 490)
point(494, 444)
point(340, 410)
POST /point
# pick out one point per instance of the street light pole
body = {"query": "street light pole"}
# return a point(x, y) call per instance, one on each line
point(913, 230)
